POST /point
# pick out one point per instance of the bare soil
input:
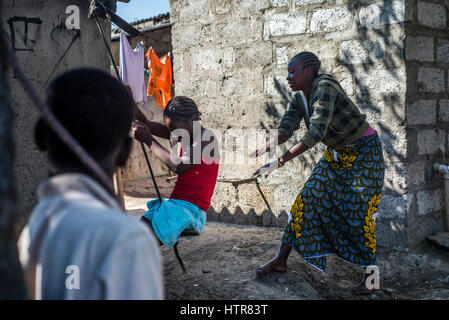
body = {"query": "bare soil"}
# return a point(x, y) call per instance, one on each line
point(221, 264)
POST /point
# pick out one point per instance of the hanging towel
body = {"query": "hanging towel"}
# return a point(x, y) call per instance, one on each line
point(161, 78)
point(132, 68)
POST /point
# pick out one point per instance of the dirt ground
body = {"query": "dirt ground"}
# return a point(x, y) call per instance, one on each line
point(221, 263)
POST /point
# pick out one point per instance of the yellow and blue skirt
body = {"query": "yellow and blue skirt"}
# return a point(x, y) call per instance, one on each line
point(335, 211)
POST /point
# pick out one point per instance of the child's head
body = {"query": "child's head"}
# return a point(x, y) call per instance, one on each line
point(302, 70)
point(97, 110)
point(180, 112)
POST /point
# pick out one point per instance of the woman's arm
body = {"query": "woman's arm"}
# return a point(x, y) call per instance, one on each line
point(273, 143)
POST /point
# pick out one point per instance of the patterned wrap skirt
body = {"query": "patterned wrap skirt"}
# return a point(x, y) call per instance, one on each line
point(336, 209)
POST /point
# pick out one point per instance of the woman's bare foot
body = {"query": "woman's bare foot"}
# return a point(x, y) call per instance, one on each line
point(274, 265)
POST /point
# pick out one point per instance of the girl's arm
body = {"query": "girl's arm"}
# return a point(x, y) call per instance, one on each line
point(155, 128)
point(174, 163)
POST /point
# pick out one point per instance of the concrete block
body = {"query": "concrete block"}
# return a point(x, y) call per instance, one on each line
point(420, 49)
point(242, 82)
point(236, 31)
point(257, 54)
point(281, 24)
point(431, 80)
point(381, 82)
point(276, 85)
point(327, 20)
point(285, 195)
point(393, 207)
point(432, 15)
point(417, 172)
point(279, 3)
point(422, 112)
point(181, 41)
point(307, 2)
point(443, 51)
point(431, 141)
point(355, 52)
point(382, 13)
point(429, 201)
point(194, 10)
point(207, 59)
point(251, 5)
point(444, 110)
point(228, 58)
point(281, 57)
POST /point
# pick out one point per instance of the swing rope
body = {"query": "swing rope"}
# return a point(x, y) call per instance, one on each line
point(111, 57)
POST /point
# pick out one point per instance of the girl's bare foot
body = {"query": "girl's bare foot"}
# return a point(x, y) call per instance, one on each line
point(274, 265)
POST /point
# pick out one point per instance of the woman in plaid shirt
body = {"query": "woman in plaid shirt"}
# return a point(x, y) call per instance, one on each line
point(334, 213)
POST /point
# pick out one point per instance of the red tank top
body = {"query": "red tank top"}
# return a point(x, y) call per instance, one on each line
point(197, 184)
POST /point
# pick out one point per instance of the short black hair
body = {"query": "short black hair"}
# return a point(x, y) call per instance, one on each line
point(308, 59)
point(182, 108)
point(94, 107)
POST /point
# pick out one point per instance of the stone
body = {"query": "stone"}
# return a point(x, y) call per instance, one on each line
point(281, 57)
point(429, 201)
point(308, 2)
point(382, 13)
point(381, 82)
point(207, 59)
point(334, 19)
point(443, 51)
point(355, 52)
point(430, 141)
point(440, 240)
point(417, 172)
point(279, 3)
point(432, 15)
point(422, 112)
point(281, 24)
point(420, 49)
point(431, 80)
point(444, 110)
point(392, 207)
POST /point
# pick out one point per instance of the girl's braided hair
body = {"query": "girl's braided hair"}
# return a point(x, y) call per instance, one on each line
point(182, 108)
point(308, 59)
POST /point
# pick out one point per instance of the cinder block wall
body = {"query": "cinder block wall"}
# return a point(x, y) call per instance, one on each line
point(41, 46)
point(231, 57)
point(427, 63)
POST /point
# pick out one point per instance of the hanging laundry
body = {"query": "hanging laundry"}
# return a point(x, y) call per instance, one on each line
point(132, 68)
point(161, 78)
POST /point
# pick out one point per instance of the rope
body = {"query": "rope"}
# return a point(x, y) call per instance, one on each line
point(111, 57)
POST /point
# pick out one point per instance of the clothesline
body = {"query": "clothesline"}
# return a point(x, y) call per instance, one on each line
point(132, 72)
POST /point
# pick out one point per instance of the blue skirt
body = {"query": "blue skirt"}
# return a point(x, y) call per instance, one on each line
point(173, 216)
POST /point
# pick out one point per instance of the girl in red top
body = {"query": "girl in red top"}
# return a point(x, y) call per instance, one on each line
point(196, 166)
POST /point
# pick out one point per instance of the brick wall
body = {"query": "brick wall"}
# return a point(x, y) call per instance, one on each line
point(231, 57)
point(427, 60)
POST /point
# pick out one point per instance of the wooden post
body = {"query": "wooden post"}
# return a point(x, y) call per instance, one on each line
point(119, 185)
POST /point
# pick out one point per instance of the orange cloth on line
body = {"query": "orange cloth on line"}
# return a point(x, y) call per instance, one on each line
point(160, 78)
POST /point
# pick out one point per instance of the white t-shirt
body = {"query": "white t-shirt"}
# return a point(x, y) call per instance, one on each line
point(79, 244)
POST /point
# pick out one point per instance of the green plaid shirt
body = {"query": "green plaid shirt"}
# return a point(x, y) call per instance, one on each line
point(334, 119)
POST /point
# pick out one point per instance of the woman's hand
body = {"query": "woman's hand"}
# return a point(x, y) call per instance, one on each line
point(141, 133)
point(259, 152)
point(267, 169)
